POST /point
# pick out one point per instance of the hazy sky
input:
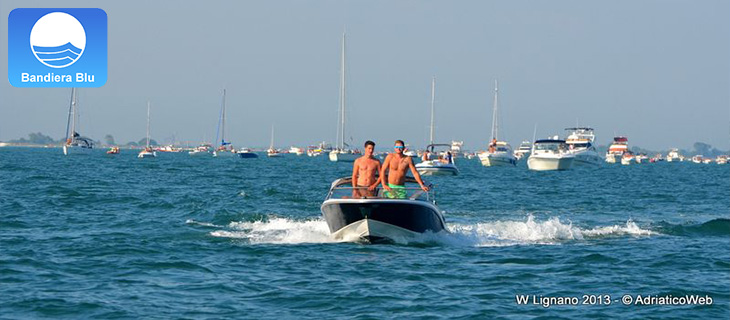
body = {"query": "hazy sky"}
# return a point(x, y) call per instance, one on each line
point(656, 71)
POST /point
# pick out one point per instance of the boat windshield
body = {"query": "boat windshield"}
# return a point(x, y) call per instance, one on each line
point(549, 146)
point(342, 189)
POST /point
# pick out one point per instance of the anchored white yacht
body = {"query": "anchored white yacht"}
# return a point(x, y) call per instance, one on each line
point(225, 149)
point(341, 153)
point(674, 156)
point(499, 152)
point(616, 149)
point(523, 151)
point(580, 144)
point(442, 165)
point(148, 152)
point(550, 154)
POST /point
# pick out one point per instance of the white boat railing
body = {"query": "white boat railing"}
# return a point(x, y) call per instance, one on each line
point(343, 189)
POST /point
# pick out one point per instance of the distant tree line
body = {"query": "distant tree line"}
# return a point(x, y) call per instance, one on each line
point(39, 138)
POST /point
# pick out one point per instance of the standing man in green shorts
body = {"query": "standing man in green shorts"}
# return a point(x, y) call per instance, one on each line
point(396, 165)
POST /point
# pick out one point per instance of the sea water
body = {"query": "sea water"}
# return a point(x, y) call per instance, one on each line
point(101, 236)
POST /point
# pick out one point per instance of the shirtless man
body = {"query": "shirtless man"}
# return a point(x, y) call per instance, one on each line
point(363, 173)
point(398, 163)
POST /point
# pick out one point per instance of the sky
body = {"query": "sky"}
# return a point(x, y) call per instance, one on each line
point(656, 71)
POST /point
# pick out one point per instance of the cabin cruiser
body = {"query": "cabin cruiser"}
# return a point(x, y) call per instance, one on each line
point(674, 156)
point(550, 154)
point(523, 151)
point(617, 148)
point(353, 214)
point(580, 144)
point(444, 165)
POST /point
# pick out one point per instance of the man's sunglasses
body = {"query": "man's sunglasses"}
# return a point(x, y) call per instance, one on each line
point(399, 147)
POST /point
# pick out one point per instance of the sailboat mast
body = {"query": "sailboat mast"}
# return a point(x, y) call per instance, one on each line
point(495, 122)
point(70, 114)
point(148, 124)
point(223, 120)
point(433, 96)
point(271, 146)
point(342, 93)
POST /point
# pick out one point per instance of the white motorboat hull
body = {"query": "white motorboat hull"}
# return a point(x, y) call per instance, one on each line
point(75, 150)
point(343, 156)
point(548, 164)
point(435, 168)
point(224, 154)
point(610, 158)
point(497, 159)
point(626, 161)
point(587, 159)
point(374, 231)
point(147, 154)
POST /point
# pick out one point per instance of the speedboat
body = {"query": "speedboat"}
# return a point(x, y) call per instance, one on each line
point(247, 153)
point(580, 144)
point(113, 150)
point(499, 155)
point(550, 154)
point(523, 151)
point(433, 167)
point(641, 158)
point(354, 215)
point(721, 159)
point(617, 148)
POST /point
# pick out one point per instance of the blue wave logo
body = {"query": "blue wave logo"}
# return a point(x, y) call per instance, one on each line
point(58, 39)
point(58, 57)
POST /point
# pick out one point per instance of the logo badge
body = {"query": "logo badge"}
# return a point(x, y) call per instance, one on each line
point(57, 47)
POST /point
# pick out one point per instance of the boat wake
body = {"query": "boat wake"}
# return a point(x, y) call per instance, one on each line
point(278, 230)
point(551, 231)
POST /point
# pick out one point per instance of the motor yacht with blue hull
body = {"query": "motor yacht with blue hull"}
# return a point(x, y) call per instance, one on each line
point(356, 214)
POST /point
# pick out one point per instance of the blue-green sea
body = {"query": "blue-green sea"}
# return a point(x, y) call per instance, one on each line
point(117, 237)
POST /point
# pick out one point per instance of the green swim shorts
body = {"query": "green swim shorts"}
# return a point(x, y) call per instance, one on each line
point(398, 192)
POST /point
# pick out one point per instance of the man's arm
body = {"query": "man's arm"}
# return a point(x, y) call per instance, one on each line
point(380, 177)
point(386, 164)
point(415, 174)
point(355, 170)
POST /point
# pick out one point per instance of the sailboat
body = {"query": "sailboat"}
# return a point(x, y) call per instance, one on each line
point(225, 149)
point(75, 143)
point(272, 152)
point(499, 152)
point(429, 166)
point(340, 153)
point(148, 152)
